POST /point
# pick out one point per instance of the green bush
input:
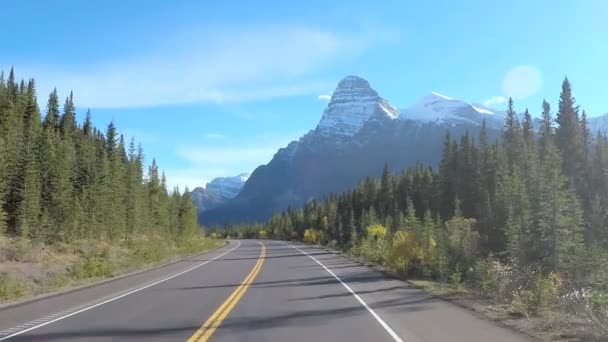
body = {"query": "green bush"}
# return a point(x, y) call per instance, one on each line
point(151, 251)
point(373, 250)
point(10, 287)
point(96, 264)
point(455, 278)
point(597, 311)
point(491, 279)
point(542, 293)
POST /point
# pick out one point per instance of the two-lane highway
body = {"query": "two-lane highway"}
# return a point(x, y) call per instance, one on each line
point(250, 291)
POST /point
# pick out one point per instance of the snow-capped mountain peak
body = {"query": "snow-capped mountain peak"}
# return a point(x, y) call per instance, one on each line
point(441, 109)
point(352, 104)
point(227, 187)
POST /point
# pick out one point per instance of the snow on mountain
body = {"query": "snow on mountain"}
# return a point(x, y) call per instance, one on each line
point(352, 104)
point(482, 110)
point(218, 191)
point(441, 109)
point(227, 187)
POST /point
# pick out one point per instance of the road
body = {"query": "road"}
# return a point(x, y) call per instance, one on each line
point(250, 291)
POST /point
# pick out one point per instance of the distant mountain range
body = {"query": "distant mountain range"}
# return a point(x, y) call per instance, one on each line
point(358, 133)
point(217, 192)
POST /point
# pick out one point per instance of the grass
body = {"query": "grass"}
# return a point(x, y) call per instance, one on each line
point(28, 268)
point(544, 325)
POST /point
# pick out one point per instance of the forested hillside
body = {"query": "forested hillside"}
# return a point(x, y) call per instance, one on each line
point(522, 221)
point(74, 201)
point(62, 181)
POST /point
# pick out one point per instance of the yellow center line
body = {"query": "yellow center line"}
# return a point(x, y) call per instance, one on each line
point(209, 327)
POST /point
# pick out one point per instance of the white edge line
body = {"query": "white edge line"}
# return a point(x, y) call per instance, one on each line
point(371, 311)
point(118, 297)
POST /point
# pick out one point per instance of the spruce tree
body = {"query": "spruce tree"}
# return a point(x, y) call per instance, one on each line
point(568, 136)
point(51, 120)
point(528, 129)
point(67, 124)
point(512, 135)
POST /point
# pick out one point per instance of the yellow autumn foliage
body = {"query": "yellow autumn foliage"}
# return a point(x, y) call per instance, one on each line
point(312, 236)
point(262, 234)
point(407, 251)
point(376, 231)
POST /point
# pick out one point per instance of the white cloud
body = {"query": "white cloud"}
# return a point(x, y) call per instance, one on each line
point(215, 136)
point(494, 101)
point(324, 97)
point(521, 82)
point(220, 65)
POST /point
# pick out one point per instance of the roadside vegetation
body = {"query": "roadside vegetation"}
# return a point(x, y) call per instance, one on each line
point(74, 202)
point(29, 268)
point(516, 228)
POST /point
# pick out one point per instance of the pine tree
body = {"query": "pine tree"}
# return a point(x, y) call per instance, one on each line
point(447, 177)
point(386, 192)
point(585, 138)
point(51, 120)
point(528, 129)
point(67, 124)
point(87, 126)
point(558, 217)
point(568, 136)
point(546, 131)
point(512, 135)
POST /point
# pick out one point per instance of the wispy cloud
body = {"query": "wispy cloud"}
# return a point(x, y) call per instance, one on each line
point(211, 65)
point(215, 136)
point(494, 101)
point(324, 97)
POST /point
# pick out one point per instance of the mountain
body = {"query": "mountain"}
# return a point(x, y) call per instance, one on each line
point(217, 192)
point(442, 110)
point(598, 123)
point(359, 131)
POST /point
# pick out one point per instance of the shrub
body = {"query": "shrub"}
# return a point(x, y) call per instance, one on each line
point(455, 278)
point(490, 278)
point(597, 311)
point(376, 231)
point(92, 267)
point(262, 234)
point(150, 251)
point(372, 250)
point(10, 287)
point(462, 240)
point(405, 251)
point(542, 293)
point(312, 236)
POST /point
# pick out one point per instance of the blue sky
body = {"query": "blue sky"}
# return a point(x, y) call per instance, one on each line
point(214, 88)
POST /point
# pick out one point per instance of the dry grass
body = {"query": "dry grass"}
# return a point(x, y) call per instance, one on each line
point(28, 268)
point(546, 325)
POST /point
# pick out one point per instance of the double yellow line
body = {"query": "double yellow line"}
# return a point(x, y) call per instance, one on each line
point(203, 334)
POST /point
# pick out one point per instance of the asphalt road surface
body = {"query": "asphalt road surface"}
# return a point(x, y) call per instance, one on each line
point(250, 291)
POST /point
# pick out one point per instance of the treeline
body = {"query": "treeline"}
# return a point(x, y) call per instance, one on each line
point(61, 180)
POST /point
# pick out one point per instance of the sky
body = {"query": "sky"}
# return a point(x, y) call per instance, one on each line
point(214, 88)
